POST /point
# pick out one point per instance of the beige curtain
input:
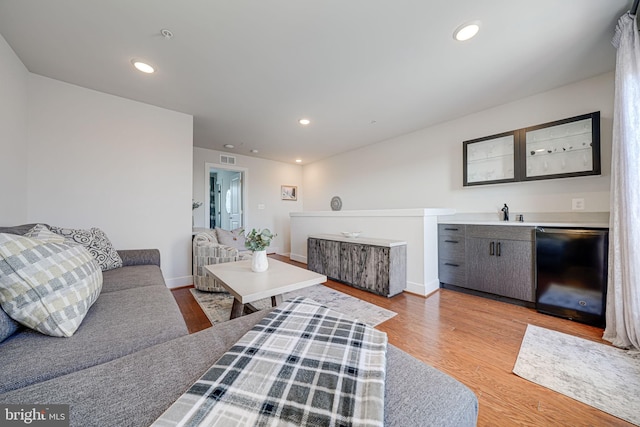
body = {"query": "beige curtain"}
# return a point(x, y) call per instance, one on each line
point(623, 294)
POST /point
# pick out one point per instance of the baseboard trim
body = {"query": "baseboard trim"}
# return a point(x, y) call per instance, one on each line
point(415, 288)
point(473, 292)
point(178, 282)
point(299, 258)
point(423, 289)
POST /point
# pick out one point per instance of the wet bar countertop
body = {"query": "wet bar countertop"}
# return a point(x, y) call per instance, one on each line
point(530, 223)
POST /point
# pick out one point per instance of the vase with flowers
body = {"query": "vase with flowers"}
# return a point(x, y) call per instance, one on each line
point(258, 241)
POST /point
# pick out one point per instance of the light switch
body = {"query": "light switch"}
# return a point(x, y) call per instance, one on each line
point(577, 204)
point(260, 206)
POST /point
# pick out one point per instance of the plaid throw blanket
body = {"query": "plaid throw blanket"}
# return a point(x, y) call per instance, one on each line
point(302, 365)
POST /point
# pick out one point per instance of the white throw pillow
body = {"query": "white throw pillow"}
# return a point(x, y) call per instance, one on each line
point(47, 286)
point(234, 238)
point(96, 242)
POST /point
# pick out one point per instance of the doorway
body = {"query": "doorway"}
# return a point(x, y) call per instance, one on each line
point(225, 196)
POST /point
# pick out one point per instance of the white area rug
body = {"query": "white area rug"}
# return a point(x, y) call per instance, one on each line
point(217, 306)
point(601, 376)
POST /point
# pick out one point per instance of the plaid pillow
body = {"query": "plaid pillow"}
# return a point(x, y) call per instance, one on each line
point(47, 286)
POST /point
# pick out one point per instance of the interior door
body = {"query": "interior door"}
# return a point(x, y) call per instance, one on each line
point(235, 216)
point(212, 201)
point(228, 210)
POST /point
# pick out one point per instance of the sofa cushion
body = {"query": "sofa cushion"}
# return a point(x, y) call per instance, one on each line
point(96, 242)
point(8, 326)
point(139, 257)
point(134, 390)
point(234, 238)
point(119, 323)
point(47, 286)
point(131, 277)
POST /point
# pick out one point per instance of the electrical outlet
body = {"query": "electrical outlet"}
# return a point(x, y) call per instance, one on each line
point(260, 206)
point(577, 204)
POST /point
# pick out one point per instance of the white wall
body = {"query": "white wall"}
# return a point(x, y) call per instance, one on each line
point(97, 160)
point(424, 168)
point(13, 137)
point(262, 185)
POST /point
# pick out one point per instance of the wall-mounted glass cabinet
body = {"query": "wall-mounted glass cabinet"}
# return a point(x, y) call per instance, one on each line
point(560, 149)
point(491, 159)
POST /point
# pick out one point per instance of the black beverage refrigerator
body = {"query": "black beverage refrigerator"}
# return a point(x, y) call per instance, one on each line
point(571, 273)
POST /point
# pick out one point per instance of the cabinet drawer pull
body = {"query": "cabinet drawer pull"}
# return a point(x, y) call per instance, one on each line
point(498, 249)
point(492, 248)
point(451, 264)
point(450, 229)
point(451, 241)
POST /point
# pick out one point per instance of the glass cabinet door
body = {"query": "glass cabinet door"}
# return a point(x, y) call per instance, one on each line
point(560, 149)
point(564, 148)
point(490, 160)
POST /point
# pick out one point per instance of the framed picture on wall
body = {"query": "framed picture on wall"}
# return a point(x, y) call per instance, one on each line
point(289, 192)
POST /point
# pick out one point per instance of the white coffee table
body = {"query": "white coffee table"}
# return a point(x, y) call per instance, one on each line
point(247, 286)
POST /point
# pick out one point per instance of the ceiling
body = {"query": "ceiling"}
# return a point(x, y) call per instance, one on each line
point(361, 70)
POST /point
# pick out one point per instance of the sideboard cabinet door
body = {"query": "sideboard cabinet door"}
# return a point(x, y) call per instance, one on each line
point(365, 267)
point(323, 257)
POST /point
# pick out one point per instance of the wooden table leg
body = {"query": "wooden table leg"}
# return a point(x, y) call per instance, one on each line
point(276, 299)
point(237, 309)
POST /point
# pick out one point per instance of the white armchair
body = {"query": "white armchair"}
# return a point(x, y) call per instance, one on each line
point(206, 251)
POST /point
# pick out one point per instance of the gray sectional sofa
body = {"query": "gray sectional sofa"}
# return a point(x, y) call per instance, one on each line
point(132, 357)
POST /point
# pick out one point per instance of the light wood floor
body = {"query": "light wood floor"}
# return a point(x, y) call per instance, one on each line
point(475, 340)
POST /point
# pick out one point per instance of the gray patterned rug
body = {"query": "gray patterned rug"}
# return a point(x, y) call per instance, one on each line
point(217, 306)
point(601, 376)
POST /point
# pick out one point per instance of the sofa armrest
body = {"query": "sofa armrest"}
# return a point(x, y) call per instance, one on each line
point(140, 257)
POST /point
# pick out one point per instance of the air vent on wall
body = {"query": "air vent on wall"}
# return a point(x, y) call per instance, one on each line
point(227, 160)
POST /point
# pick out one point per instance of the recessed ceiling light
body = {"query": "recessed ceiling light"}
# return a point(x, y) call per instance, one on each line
point(466, 31)
point(229, 146)
point(254, 151)
point(298, 160)
point(304, 122)
point(143, 66)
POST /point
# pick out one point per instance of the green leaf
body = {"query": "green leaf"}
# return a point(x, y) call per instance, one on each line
point(258, 240)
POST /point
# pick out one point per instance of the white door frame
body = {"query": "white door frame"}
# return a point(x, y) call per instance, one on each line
point(207, 190)
point(235, 216)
